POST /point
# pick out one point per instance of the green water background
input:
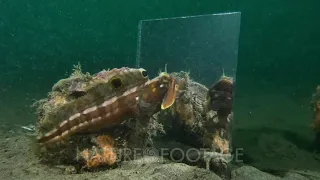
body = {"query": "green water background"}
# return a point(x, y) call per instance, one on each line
point(40, 41)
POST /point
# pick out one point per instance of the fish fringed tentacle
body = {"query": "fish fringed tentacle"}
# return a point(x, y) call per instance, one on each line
point(103, 154)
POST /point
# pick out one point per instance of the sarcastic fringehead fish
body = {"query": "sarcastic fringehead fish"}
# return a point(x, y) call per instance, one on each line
point(121, 94)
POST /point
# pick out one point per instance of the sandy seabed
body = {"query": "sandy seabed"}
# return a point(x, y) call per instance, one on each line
point(17, 162)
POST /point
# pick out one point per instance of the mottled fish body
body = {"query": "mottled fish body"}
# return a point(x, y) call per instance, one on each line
point(122, 93)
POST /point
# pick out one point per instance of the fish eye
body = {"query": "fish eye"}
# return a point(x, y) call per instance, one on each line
point(144, 73)
point(116, 83)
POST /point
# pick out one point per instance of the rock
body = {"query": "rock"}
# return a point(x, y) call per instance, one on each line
point(251, 173)
point(291, 176)
point(302, 175)
point(157, 168)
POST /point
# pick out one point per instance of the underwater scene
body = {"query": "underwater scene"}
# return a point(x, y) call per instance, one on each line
point(160, 90)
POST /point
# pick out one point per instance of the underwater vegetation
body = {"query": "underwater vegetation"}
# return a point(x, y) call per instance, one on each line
point(90, 120)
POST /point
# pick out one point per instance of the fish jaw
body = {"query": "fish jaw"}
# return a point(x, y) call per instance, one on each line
point(152, 95)
point(171, 95)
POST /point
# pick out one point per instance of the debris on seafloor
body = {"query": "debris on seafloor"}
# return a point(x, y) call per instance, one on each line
point(90, 120)
point(30, 127)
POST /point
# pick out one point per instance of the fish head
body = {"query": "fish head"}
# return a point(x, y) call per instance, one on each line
point(175, 89)
point(160, 92)
point(221, 94)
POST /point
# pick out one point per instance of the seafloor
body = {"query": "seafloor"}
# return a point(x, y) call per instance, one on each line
point(17, 162)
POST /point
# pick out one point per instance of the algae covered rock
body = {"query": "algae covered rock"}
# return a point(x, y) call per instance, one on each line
point(315, 105)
